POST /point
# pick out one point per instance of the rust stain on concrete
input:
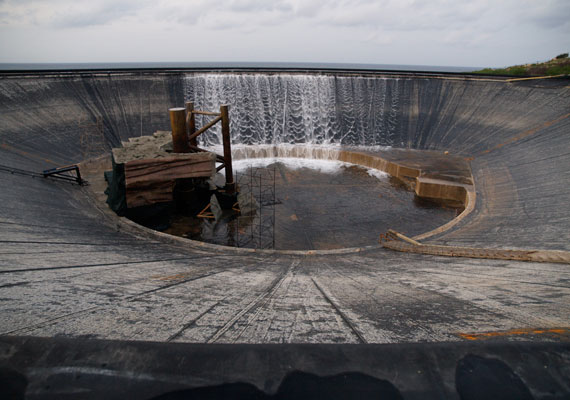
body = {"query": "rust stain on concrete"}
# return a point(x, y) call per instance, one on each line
point(515, 332)
point(12, 149)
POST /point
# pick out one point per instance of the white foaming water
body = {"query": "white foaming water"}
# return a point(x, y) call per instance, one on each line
point(321, 152)
point(323, 166)
point(297, 108)
point(376, 173)
point(322, 158)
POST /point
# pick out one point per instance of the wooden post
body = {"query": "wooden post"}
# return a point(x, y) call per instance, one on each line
point(230, 185)
point(191, 119)
point(179, 133)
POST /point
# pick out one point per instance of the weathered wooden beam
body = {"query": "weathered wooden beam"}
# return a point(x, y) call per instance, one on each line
point(404, 238)
point(150, 181)
point(166, 168)
point(179, 132)
point(191, 122)
point(205, 113)
point(230, 185)
point(205, 127)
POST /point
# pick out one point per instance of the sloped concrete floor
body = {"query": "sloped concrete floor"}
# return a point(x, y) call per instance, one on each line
point(81, 274)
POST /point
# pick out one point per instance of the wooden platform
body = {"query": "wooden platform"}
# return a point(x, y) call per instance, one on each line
point(151, 181)
point(151, 171)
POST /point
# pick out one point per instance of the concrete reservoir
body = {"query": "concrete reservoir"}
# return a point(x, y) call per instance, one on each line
point(95, 306)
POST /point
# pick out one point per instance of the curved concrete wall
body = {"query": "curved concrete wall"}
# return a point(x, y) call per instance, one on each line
point(67, 269)
point(516, 134)
point(55, 117)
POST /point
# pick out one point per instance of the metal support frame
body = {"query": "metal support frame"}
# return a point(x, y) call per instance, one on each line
point(256, 229)
point(61, 173)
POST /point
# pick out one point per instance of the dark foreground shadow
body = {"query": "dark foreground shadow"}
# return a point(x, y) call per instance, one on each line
point(486, 378)
point(298, 386)
point(12, 384)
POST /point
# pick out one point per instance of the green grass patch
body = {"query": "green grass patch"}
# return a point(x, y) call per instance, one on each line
point(557, 66)
point(515, 71)
point(559, 70)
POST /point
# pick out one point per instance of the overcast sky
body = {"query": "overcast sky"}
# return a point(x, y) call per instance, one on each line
point(415, 32)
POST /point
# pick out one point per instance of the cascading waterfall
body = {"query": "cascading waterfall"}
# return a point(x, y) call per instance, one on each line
point(277, 109)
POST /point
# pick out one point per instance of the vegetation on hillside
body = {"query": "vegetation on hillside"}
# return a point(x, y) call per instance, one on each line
point(559, 65)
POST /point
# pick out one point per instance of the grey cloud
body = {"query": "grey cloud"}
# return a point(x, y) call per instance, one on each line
point(553, 15)
point(360, 25)
point(260, 5)
point(392, 16)
point(307, 10)
point(100, 15)
point(184, 13)
point(244, 15)
point(552, 21)
point(16, 14)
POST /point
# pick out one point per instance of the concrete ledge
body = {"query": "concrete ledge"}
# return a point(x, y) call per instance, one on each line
point(442, 190)
point(469, 207)
point(549, 256)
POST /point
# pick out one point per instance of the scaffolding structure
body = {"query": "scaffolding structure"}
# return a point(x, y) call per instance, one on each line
point(255, 226)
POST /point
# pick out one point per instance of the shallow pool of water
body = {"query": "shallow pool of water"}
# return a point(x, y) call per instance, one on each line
point(315, 205)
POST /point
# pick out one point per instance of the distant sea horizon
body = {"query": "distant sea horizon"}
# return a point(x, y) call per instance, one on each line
point(227, 65)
